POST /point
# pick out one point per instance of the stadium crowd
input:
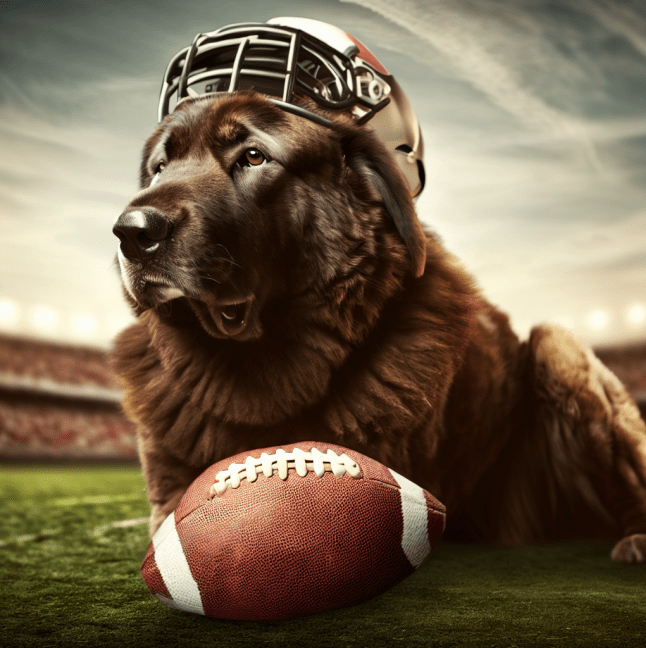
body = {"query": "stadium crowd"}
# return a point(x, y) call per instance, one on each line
point(61, 363)
point(628, 362)
point(36, 430)
point(40, 423)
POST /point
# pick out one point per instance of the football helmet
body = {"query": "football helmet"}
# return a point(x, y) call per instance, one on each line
point(291, 58)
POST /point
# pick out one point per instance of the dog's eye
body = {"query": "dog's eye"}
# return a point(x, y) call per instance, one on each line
point(252, 157)
point(158, 169)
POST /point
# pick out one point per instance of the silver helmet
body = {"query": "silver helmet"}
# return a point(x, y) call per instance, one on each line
point(288, 58)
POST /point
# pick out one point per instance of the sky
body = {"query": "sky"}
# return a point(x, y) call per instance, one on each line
point(534, 122)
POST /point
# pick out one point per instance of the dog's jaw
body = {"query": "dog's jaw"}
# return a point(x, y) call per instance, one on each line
point(233, 320)
point(231, 317)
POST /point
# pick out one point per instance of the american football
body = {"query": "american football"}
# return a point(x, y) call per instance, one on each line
point(290, 531)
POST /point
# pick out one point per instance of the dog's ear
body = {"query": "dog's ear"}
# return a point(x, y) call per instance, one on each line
point(372, 162)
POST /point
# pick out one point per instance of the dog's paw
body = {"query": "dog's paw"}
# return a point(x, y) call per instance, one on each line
point(631, 549)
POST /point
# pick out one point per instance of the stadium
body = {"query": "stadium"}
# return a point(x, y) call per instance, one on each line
point(534, 127)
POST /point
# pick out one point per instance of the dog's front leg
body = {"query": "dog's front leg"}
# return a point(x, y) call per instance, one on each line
point(166, 477)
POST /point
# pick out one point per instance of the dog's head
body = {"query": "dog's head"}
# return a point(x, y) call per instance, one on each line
point(243, 206)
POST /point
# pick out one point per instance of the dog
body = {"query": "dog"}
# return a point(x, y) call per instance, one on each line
point(286, 291)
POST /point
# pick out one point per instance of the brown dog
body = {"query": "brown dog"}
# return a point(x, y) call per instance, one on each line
point(285, 291)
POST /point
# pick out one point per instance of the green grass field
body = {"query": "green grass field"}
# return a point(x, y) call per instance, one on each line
point(69, 575)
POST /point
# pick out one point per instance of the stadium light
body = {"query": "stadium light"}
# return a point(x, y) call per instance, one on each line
point(45, 318)
point(598, 320)
point(9, 312)
point(83, 324)
point(636, 315)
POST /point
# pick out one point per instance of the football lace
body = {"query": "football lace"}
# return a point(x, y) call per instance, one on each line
point(302, 461)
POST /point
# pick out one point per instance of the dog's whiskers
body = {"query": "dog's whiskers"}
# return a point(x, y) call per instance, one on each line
point(229, 258)
point(209, 278)
point(231, 262)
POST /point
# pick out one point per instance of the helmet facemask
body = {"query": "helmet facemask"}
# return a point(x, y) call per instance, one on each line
point(280, 62)
point(290, 61)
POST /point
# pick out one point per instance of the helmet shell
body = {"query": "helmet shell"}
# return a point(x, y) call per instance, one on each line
point(287, 58)
point(396, 124)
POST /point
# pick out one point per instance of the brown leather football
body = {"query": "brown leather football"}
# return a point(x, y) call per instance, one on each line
point(290, 531)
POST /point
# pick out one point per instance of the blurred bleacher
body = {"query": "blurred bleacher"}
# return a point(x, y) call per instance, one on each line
point(60, 402)
point(628, 362)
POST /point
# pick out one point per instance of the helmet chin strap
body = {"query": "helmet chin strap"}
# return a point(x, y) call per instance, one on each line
point(301, 112)
point(403, 155)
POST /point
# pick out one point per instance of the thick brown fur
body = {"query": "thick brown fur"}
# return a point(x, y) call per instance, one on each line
point(359, 329)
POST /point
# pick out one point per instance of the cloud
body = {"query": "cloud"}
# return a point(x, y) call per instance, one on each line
point(553, 73)
point(534, 124)
point(467, 47)
point(53, 165)
point(622, 20)
point(60, 191)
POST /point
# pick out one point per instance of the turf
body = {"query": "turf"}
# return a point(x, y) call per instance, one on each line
point(69, 577)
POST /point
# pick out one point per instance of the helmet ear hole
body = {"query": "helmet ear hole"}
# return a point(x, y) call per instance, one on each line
point(422, 177)
point(412, 168)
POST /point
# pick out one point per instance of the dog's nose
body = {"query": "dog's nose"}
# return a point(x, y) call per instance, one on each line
point(141, 232)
